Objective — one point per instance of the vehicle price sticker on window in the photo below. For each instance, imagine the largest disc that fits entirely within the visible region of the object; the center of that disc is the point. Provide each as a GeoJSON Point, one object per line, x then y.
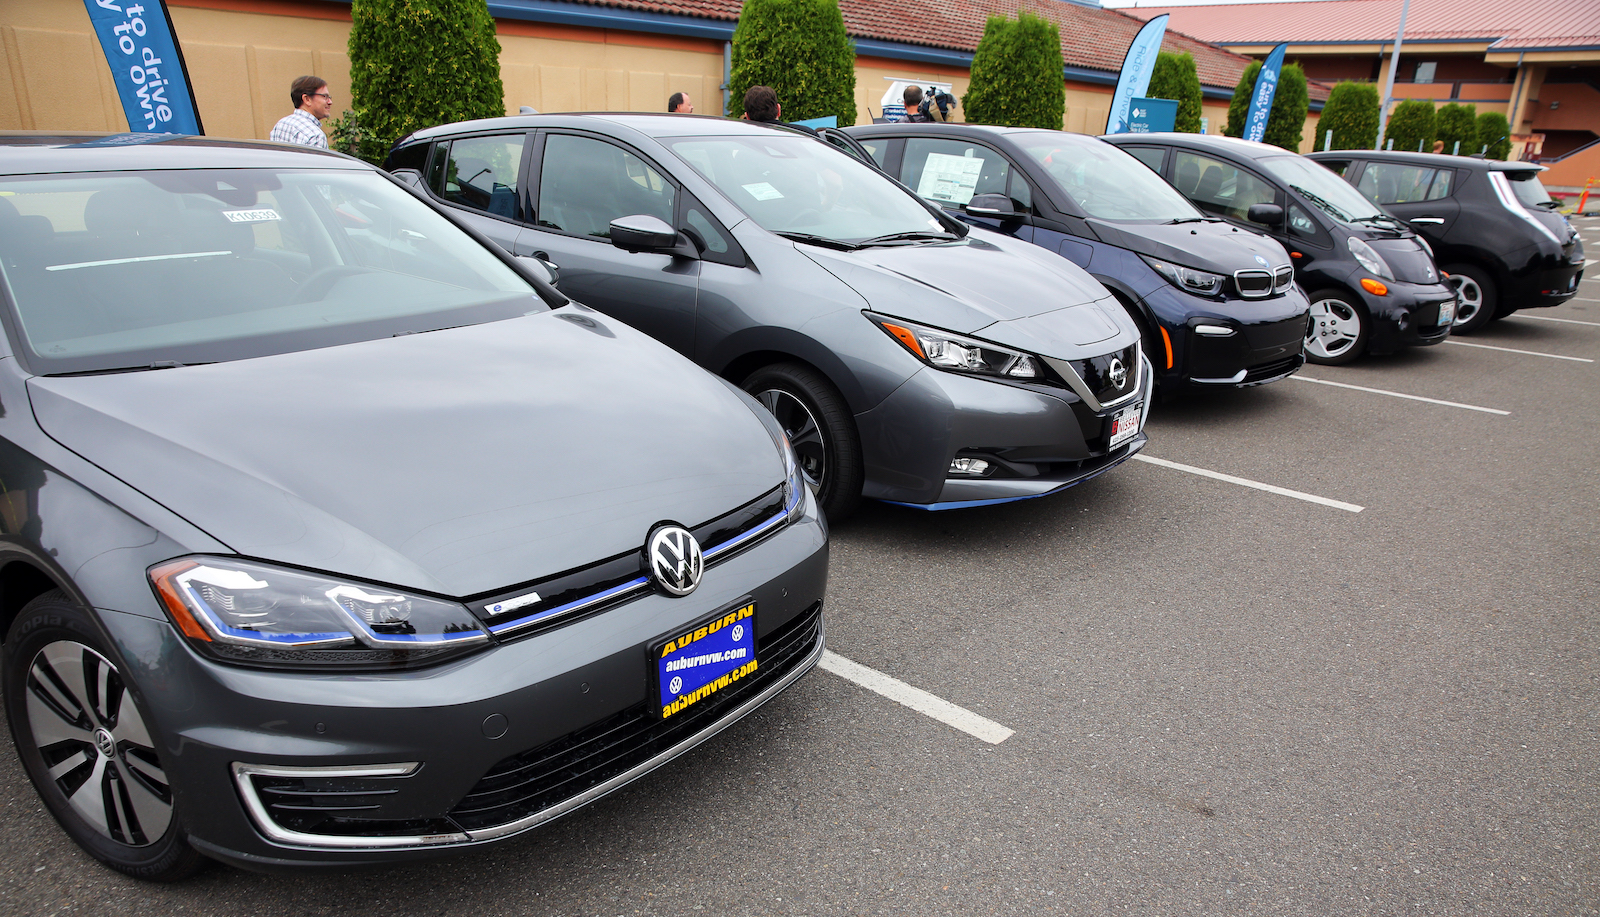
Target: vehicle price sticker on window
{"type": "Point", "coordinates": [949, 178]}
{"type": "Point", "coordinates": [259, 215]}
{"type": "Point", "coordinates": [710, 657]}
{"type": "Point", "coordinates": [762, 191]}
{"type": "Point", "coordinates": [1125, 425]}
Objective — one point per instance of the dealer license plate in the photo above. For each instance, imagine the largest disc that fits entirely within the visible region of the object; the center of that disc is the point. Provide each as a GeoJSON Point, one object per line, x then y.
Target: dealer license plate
{"type": "Point", "coordinates": [1447, 312]}
{"type": "Point", "coordinates": [1125, 425]}
{"type": "Point", "coordinates": [702, 660]}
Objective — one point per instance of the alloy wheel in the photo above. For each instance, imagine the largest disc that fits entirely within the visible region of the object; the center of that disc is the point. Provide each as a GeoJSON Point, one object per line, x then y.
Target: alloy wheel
{"type": "Point", "coordinates": [1469, 298]}
{"type": "Point", "coordinates": [1335, 328]}
{"type": "Point", "coordinates": [806, 436]}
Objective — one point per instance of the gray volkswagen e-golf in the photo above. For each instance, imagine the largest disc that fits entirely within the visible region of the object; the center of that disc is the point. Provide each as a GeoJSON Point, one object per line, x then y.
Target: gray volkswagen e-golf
{"type": "Point", "coordinates": [910, 358]}
{"type": "Point", "coordinates": [331, 534]}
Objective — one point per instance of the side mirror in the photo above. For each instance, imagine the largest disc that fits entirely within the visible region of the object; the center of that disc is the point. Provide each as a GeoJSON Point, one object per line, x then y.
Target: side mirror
{"type": "Point", "coordinates": [643, 233]}
{"type": "Point", "coordinates": [410, 177]}
{"type": "Point", "coordinates": [1265, 214]}
{"type": "Point", "coordinates": [994, 206]}
{"type": "Point", "coordinates": [540, 268]}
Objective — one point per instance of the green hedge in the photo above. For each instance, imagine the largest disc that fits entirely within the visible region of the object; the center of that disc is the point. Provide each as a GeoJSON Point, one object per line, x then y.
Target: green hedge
{"type": "Point", "coordinates": [1017, 75]}
{"type": "Point", "coordinates": [1457, 123]}
{"type": "Point", "coordinates": [1175, 78]}
{"type": "Point", "coordinates": [1291, 103]}
{"type": "Point", "coordinates": [1411, 127]}
{"type": "Point", "coordinates": [417, 63]}
{"type": "Point", "coordinates": [1494, 131]}
{"type": "Point", "coordinates": [1352, 114]}
{"type": "Point", "coordinates": [801, 49]}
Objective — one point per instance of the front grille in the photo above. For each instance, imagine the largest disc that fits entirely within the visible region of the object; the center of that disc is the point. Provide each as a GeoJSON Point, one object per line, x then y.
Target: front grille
{"type": "Point", "coordinates": [1266, 372]}
{"type": "Point", "coordinates": [1097, 374]}
{"type": "Point", "coordinates": [1283, 278]}
{"type": "Point", "coordinates": [535, 780]}
{"type": "Point", "coordinates": [1253, 284]}
{"type": "Point", "coordinates": [338, 806]}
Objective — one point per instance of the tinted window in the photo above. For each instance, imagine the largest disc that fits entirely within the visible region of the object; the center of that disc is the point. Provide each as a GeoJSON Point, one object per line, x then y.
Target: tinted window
{"type": "Point", "coordinates": [481, 173]}
{"type": "Point", "coordinates": [1300, 222]}
{"type": "Point", "coordinates": [950, 172]}
{"type": "Point", "coordinates": [1149, 155]}
{"type": "Point", "coordinates": [1324, 190]}
{"type": "Point", "coordinates": [1221, 187]}
{"type": "Point", "coordinates": [1529, 189]}
{"type": "Point", "coordinates": [878, 149]}
{"type": "Point", "coordinates": [1104, 180]}
{"type": "Point", "coordinates": [584, 184]}
{"type": "Point", "coordinates": [1337, 167]}
{"type": "Point", "coordinates": [1387, 183]}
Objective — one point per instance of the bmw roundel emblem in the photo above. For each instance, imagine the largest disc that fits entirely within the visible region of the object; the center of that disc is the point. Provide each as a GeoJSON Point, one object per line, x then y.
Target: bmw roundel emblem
{"type": "Point", "coordinates": [1261, 261]}
{"type": "Point", "coordinates": [675, 561]}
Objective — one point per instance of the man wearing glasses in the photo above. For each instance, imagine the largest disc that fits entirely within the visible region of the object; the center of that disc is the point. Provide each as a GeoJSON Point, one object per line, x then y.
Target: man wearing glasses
{"type": "Point", "coordinates": [312, 105]}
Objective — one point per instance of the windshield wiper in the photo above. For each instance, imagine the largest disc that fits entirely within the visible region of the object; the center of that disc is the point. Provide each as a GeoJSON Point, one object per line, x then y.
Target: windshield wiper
{"type": "Point", "coordinates": [823, 241]}
{"type": "Point", "coordinates": [1191, 220]}
{"type": "Point", "coordinates": [920, 235]}
{"type": "Point", "coordinates": [1380, 218]}
{"type": "Point", "coordinates": [1330, 209]}
{"type": "Point", "coordinates": [146, 367]}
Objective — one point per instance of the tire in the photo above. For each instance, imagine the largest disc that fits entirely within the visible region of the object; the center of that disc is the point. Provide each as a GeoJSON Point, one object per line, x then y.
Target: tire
{"type": "Point", "coordinates": [820, 428]}
{"type": "Point", "coordinates": [66, 699]}
{"type": "Point", "coordinates": [1337, 332]}
{"type": "Point", "coordinates": [1476, 297]}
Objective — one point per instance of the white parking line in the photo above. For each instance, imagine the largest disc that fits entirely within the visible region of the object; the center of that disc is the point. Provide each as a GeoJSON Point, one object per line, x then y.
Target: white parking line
{"type": "Point", "coordinates": [915, 698]}
{"type": "Point", "coordinates": [1246, 482]}
{"type": "Point", "coordinates": [1568, 321]}
{"type": "Point", "coordinates": [1379, 391]}
{"type": "Point", "coordinates": [1531, 353]}
{"type": "Point", "coordinates": [1582, 299]}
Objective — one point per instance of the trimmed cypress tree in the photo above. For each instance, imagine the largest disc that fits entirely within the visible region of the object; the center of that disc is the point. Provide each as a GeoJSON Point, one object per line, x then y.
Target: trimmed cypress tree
{"type": "Point", "coordinates": [801, 49]}
{"type": "Point", "coordinates": [1494, 131]}
{"type": "Point", "coordinates": [1352, 114]}
{"type": "Point", "coordinates": [1457, 123]}
{"type": "Point", "coordinates": [1017, 75]}
{"type": "Point", "coordinates": [1175, 77]}
{"type": "Point", "coordinates": [1291, 101]}
{"type": "Point", "coordinates": [1411, 126]}
{"type": "Point", "coordinates": [417, 63]}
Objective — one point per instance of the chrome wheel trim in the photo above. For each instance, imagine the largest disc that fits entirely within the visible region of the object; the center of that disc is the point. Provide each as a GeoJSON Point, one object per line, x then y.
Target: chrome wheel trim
{"type": "Point", "coordinates": [1335, 327]}
{"type": "Point", "coordinates": [806, 436]}
{"type": "Point", "coordinates": [1469, 298]}
{"type": "Point", "coordinates": [95, 745]}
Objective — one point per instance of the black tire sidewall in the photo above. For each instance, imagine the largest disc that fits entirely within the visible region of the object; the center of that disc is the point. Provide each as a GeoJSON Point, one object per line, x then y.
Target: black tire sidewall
{"type": "Point", "coordinates": [1362, 315]}
{"type": "Point", "coordinates": [1489, 309]}
{"type": "Point", "coordinates": [840, 494]}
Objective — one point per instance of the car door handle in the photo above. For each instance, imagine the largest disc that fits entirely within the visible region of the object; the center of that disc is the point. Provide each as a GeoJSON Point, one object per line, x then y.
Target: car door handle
{"type": "Point", "coordinates": [1428, 220]}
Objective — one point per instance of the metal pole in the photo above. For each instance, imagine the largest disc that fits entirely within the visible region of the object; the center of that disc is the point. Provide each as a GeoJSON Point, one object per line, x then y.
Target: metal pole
{"type": "Point", "coordinates": [1394, 64]}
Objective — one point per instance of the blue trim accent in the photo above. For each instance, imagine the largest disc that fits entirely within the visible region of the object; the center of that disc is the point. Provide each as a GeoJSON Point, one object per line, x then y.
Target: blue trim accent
{"type": "Point", "coordinates": [613, 592]}
{"type": "Point", "coordinates": [965, 504]}
{"type": "Point", "coordinates": [259, 638]}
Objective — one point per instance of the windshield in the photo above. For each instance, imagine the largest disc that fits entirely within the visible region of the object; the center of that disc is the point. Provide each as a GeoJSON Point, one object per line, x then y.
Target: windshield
{"type": "Point", "coordinates": [124, 269]}
{"type": "Point", "coordinates": [1105, 181]}
{"type": "Point", "coordinates": [795, 185]}
{"type": "Point", "coordinates": [1324, 190]}
{"type": "Point", "coordinates": [1530, 190]}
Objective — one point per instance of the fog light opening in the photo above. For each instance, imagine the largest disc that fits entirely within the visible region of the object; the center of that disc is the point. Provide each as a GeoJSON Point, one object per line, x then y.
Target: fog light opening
{"type": "Point", "coordinates": [969, 467]}
{"type": "Point", "coordinates": [1403, 319]}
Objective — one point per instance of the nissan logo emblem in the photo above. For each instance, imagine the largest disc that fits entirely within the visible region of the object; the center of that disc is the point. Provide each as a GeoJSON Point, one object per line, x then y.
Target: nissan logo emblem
{"type": "Point", "coordinates": [675, 560]}
{"type": "Point", "coordinates": [1117, 373]}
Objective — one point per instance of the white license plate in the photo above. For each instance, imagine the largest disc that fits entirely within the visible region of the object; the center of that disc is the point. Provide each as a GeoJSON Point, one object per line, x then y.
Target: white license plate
{"type": "Point", "coordinates": [1447, 312]}
{"type": "Point", "coordinates": [1125, 425]}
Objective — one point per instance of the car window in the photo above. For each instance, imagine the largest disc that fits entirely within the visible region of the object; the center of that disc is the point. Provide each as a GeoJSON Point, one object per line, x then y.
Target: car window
{"type": "Point", "coordinates": [1388, 183]}
{"type": "Point", "coordinates": [951, 172]}
{"type": "Point", "coordinates": [698, 220]}
{"type": "Point", "coordinates": [1105, 181]}
{"type": "Point", "coordinates": [1219, 187]}
{"type": "Point", "coordinates": [1336, 166]}
{"type": "Point", "coordinates": [1529, 189]}
{"type": "Point", "coordinates": [1441, 185]}
{"type": "Point", "coordinates": [1300, 222]}
{"type": "Point", "coordinates": [1323, 189]}
{"type": "Point", "coordinates": [878, 148]}
{"type": "Point", "coordinates": [585, 183]}
{"type": "Point", "coordinates": [481, 173]}
{"type": "Point", "coordinates": [1154, 157]}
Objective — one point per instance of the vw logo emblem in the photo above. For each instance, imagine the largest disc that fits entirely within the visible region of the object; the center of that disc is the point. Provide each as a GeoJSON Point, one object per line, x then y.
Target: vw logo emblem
{"type": "Point", "coordinates": [674, 559]}
{"type": "Point", "coordinates": [676, 685]}
{"type": "Point", "coordinates": [105, 744]}
{"type": "Point", "coordinates": [1261, 261]}
{"type": "Point", "coordinates": [1117, 373]}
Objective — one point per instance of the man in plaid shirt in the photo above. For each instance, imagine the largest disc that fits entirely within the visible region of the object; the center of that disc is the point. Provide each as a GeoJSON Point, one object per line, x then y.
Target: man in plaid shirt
{"type": "Point", "coordinates": [312, 105]}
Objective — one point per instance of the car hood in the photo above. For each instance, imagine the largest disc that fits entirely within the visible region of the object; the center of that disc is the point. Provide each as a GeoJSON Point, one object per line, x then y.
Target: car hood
{"type": "Point", "coordinates": [1214, 246]}
{"type": "Point", "coordinates": [1406, 258]}
{"type": "Point", "coordinates": [970, 284]}
{"type": "Point", "coordinates": [457, 462]}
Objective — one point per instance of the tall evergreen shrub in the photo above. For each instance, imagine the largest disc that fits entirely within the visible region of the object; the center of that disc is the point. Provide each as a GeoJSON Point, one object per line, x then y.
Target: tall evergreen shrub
{"type": "Point", "coordinates": [1352, 114]}
{"type": "Point", "coordinates": [801, 49]}
{"type": "Point", "coordinates": [1411, 127]}
{"type": "Point", "coordinates": [1495, 131]}
{"type": "Point", "coordinates": [1017, 75]}
{"type": "Point", "coordinates": [417, 63]}
{"type": "Point", "coordinates": [1456, 122]}
{"type": "Point", "coordinates": [1175, 77]}
{"type": "Point", "coordinates": [1291, 102]}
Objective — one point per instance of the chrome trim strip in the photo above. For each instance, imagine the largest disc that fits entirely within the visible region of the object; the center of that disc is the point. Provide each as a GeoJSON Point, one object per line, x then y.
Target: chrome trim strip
{"type": "Point", "coordinates": [1231, 380]}
{"type": "Point", "coordinates": [1272, 282]}
{"type": "Point", "coordinates": [614, 592]}
{"type": "Point", "coordinates": [759, 530]}
{"type": "Point", "coordinates": [1064, 369]}
{"type": "Point", "coordinates": [279, 834]}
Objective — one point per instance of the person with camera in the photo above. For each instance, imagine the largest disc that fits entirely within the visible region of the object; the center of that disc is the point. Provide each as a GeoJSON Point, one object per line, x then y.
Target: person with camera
{"type": "Point", "coordinates": [916, 108]}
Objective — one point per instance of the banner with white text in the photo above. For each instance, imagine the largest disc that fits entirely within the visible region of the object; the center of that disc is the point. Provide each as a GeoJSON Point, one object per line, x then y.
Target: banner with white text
{"type": "Point", "coordinates": [146, 65]}
{"type": "Point", "coordinates": [1255, 122]}
{"type": "Point", "coordinates": [1137, 65]}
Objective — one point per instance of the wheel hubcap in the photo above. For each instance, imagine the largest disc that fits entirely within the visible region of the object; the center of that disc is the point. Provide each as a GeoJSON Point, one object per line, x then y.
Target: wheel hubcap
{"type": "Point", "coordinates": [805, 434]}
{"type": "Point", "coordinates": [95, 745]}
{"type": "Point", "coordinates": [1335, 326]}
{"type": "Point", "coordinates": [1469, 298]}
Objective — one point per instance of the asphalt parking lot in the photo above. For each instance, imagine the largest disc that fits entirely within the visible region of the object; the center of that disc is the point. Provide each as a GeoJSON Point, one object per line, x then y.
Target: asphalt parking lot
{"type": "Point", "coordinates": [1190, 695]}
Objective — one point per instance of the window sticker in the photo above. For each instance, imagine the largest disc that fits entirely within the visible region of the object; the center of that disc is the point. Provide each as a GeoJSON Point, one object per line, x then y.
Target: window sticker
{"type": "Point", "coordinates": [763, 191]}
{"type": "Point", "coordinates": [949, 178]}
{"type": "Point", "coordinates": [259, 215]}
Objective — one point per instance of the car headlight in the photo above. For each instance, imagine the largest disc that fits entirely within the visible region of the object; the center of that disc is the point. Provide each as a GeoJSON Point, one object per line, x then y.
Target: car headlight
{"type": "Point", "coordinates": [1187, 278]}
{"type": "Point", "coordinates": [1370, 259]}
{"type": "Point", "coordinates": [794, 483]}
{"type": "Point", "coordinates": [243, 611]}
{"type": "Point", "coordinates": [946, 350]}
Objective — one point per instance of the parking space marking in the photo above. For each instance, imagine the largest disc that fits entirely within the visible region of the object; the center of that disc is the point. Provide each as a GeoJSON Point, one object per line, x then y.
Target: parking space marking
{"type": "Point", "coordinates": [1379, 391]}
{"type": "Point", "coordinates": [917, 699]}
{"type": "Point", "coordinates": [1246, 482]}
{"type": "Point", "coordinates": [1568, 321]}
{"type": "Point", "coordinates": [1531, 353]}
{"type": "Point", "coordinates": [1582, 299]}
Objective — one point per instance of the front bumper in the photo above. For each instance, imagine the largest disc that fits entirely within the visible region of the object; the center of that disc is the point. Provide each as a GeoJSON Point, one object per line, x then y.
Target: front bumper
{"type": "Point", "coordinates": [419, 763]}
{"type": "Point", "coordinates": [1265, 343]}
{"type": "Point", "coordinates": [1407, 317]}
{"type": "Point", "coordinates": [1038, 439]}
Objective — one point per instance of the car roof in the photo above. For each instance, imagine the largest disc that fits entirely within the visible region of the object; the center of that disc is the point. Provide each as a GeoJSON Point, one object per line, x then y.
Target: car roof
{"type": "Point", "coordinates": [650, 124]}
{"type": "Point", "coordinates": [1244, 149]}
{"type": "Point", "coordinates": [37, 152]}
{"type": "Point", "coordinates": [862, 129]}
{"type": "Point", "coordinates": [1434, 160]}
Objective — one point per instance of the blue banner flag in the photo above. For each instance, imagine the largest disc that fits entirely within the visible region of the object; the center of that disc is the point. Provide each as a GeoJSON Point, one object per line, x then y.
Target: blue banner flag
{"type": "Point", "coordinates": [146, 65]}
{"type": "Point", "coordinates": [1137, 65]}
{"type": "Point", "coordinates": [1255, 122]}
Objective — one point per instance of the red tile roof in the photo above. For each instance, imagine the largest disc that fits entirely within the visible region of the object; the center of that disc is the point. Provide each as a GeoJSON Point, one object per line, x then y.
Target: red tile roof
{"type": "Point", "coordinates": [1509, 26]}
{"type": "Point", "coordinates": [1092, 38]}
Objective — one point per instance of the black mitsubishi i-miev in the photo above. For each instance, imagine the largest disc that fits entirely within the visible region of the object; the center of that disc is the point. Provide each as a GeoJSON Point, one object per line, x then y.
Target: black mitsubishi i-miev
{"type": "Point", "coordinates": [331, 534]}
